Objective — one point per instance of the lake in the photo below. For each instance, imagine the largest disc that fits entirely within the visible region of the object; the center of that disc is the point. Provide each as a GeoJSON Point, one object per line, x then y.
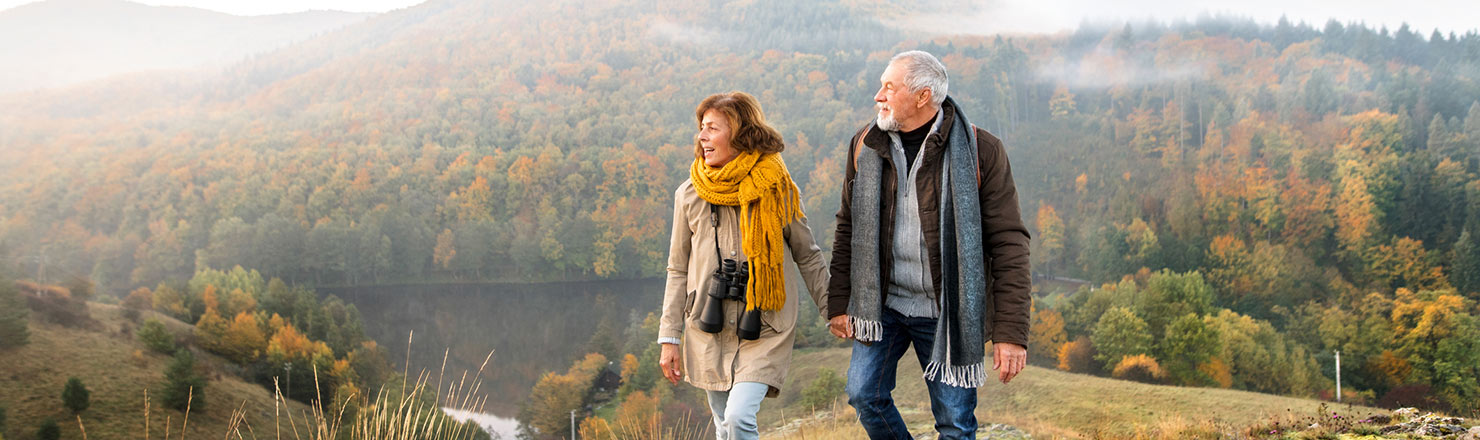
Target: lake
{"type": "Point", "coordinates": [531, 329]}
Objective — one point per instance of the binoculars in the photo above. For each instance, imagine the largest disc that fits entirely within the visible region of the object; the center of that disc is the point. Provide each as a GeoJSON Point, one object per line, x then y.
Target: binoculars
{"type": "Point", "coordinates": [729, 283]}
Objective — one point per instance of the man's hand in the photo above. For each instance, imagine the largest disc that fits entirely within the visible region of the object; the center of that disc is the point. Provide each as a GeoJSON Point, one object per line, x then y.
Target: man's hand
{"type": "Point", "coordinates": [1008, 359]}
{"type": "Point", "coordinates": [840, 326]}
{"type": "Point", "coordinates": [671, 363]}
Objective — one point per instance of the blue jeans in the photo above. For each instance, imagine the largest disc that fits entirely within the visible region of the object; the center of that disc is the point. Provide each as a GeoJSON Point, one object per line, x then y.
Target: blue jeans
{"type": "Point", "coordinates": [871, 382]}
{"type": "Point", "coordinates": [734, 410]}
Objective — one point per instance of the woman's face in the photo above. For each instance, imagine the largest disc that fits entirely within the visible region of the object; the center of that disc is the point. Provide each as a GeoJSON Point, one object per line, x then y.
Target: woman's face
{"type": "Point", "coordinates": [714, 138]}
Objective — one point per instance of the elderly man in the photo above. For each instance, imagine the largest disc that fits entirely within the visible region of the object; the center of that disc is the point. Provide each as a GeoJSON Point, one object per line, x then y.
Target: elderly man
{"type": "Point", "coordinates": [930, 251]}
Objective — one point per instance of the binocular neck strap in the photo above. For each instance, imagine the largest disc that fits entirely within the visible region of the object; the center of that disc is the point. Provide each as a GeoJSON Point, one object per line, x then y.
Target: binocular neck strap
{"type": "Point", "coordinates": [714, 222]}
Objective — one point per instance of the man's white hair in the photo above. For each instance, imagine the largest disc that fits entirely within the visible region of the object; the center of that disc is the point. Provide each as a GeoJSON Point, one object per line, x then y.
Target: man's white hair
{"type": "Point", "coordinates": [921, 71]}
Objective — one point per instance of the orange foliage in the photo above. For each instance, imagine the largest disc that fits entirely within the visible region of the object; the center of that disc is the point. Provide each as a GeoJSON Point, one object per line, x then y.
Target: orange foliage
{"type": "Point", "coordinates": [1219, 371]}
{"type": "Point", "coordinates": [1139, 368]}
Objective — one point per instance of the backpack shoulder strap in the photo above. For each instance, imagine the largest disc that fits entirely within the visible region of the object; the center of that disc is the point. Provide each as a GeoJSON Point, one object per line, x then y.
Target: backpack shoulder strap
{"type": "Point", "coordinates": [978, 160]}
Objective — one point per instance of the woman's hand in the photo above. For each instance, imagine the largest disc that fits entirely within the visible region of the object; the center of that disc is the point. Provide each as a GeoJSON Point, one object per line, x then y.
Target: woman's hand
{"type": "Point", "coordinates": [670, 363]}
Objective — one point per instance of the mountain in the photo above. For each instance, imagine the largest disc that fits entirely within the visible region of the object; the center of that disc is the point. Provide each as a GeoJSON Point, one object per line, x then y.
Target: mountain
{"type": "Point", "coordinates": [55, 43]}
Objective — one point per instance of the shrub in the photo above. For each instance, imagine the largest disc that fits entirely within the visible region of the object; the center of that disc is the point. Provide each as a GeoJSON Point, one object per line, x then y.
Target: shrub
{"type": "Point", "coordinates": [54, 304]}
{"type": "Point", "coordinates": [1078, 356]}
{"type": "Point", "coordinates": [1410, 395]}
{"type": "Point", "coordinates": [49, 430]}
{"type": "Point", "coordinates": [75, 395]}
{"type": "Point", "coordinates": [823, 391]}
{"type": "Point", "coordinates": [1139, 368]}
{"type": "Point", "coordinates": [156, 337]}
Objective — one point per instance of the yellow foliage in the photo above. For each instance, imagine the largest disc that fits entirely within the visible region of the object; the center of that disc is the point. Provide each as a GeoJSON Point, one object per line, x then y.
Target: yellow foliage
{"type": "Point", "coordinates": [210, 331]}
{"type": "Point", "coordinates": [1046, 334]}
{"type": "Point", "coordinates": [244, 341]}
{"type": "Point", "coordinates": [629, 366]}
{"type": "Point", "coordinates": [288, 344]}
{"type": "Point", "coordinates": [637, 417]}
{"type": "Point", "coordinates": [209, 298]}
{"type": "Point", "coordinates": [1140, 368]}
{"type": "Point", "coordinates": [596, 428]}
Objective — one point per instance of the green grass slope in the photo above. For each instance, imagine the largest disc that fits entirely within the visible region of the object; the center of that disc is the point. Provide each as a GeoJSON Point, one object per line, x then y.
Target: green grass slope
{"type": "Point", "coordinates": [117, 369]}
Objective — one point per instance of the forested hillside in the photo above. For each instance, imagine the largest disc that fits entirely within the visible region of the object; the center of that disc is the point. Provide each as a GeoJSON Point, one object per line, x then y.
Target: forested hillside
{"type": "Point", "coordinates": [1304, 189]}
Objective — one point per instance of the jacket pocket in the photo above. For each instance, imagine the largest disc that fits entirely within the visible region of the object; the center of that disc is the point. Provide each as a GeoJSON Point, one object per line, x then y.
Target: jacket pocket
{"type": "Point", "coordinates": [688, 308]}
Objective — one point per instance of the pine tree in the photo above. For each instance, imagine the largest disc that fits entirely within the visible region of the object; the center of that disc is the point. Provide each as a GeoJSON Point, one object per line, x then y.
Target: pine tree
{"type": "Point", "coordinates": [76, 396]}
{"type": "Point", "coordinates": [182, 387]}
{"type": "Point", "coordinates": [1466, 272]}
{"type": "Point", "coordinates": [13, 316]}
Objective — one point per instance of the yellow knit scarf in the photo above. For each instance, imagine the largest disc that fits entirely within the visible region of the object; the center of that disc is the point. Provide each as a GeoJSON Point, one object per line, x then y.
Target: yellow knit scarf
{"type": "Point", "coordinates": [761, 186]}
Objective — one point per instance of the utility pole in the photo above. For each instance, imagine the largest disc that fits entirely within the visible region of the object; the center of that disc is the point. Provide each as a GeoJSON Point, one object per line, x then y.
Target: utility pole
{"type": "Point", "coordinates": [572, 424]}
{"type": "Point", "coordinates": [289, 366]}
{"type": "Point", "coordinates": [1338, 376]}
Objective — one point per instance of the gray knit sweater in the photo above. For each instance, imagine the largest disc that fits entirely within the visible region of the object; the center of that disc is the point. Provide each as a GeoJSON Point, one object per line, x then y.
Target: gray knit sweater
{"type": "Point", "coordinates": [909, 288]}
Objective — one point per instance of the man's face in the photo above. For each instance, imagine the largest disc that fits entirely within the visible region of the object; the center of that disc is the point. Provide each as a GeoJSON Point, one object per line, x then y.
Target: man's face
{"type": "Point", "coordinates": [894, 101]}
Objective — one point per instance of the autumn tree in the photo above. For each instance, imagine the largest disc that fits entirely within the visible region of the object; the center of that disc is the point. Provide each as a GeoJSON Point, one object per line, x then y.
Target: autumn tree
{"type": "Point", "coordinates": [1050, 238]}
{"type": "Point", "coordinates": [210, 331]}
{"type": "Point", "coordinates": [1046, 334]}
{"type": "Point", "coordinates": [555, 395]}
{"type": "Point", "coordinates": [1188, 344]}
{"type": "Point", "coordinates": [1118, 334]}
{"type": "Point", "coordinates": [243, 340]}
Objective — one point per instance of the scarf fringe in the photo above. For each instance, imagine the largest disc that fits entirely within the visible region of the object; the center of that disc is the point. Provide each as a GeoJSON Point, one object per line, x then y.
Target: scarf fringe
{"type": "Point", "coordinates": [961, 376]}
{"type": "Point", "coordinates": [867, 330]}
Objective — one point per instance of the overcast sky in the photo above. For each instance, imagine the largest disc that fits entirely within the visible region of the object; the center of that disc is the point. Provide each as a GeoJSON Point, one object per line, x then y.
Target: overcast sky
{"type": "Point", "coordinates": [1018, 16]}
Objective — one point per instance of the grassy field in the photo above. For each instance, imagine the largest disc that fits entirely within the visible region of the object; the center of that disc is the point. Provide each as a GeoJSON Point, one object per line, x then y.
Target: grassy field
{"type": "Point", "coordinates": [1046, 403]}
{"type": "Point", "coordinates": [117, 369]}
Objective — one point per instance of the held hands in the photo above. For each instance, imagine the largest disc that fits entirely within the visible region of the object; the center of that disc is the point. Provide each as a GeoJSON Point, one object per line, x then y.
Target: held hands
{"type": "Point", "coordinates": [671, 363]}
{"type": "Point", "coordinates": [1008, 359]}
{"type": "Point", "coordinates": [840, 326]}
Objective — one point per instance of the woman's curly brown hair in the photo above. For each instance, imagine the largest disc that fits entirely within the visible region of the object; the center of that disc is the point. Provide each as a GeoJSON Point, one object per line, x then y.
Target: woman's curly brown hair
{"type": "Point", "coordinates": [748, 126]}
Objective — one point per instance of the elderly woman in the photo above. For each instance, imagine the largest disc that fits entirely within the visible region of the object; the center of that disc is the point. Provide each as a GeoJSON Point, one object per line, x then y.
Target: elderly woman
{"type": "Point", "coordinates": [730, 307]}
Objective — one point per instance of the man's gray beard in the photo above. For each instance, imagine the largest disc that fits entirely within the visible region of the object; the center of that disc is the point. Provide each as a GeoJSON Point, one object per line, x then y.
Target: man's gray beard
{"type": "Point", "coordinates": [887, 123]}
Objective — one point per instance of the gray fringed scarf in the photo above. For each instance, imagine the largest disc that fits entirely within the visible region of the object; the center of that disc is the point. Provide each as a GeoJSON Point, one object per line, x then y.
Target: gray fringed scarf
{"type": "Point", "coordinates": [957, 358]}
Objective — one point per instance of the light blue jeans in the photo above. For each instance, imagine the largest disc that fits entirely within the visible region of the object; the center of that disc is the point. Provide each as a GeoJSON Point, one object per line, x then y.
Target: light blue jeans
{"type": "Point", "coordinates": [734, 410]}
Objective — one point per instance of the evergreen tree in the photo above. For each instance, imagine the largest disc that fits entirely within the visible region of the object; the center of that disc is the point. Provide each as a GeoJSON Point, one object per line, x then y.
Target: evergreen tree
{"type": "Point", "coordinates": [1466, 272]}
{"type": "Point", "coordinates": [76, 396]}
{"type": "Point", "coordinates": [182, 386]}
